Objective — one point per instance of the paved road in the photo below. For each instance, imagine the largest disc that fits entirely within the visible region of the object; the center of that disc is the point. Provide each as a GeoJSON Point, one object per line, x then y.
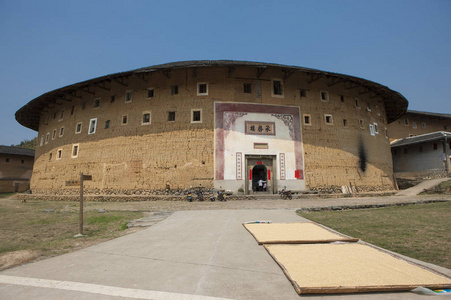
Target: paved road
{"type": "Point", "coordinates": [190, 255]}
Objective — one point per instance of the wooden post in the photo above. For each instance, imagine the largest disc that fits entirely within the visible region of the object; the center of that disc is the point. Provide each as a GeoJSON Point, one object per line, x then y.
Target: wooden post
{"type": "Point", "coordinates": [81, 204]}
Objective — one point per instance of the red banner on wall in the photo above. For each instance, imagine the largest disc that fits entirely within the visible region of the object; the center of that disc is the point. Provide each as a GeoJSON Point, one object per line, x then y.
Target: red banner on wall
{"type": "Point", "coordinates": [269, 174]}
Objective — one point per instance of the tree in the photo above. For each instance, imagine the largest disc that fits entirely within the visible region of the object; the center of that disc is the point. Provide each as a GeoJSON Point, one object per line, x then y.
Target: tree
{"type": "Point", "coordinates": [28, 144]}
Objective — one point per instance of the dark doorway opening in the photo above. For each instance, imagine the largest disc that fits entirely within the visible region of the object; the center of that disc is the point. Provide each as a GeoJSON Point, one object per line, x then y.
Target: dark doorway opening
{"type": "Point", "coordinates": [259, 178]}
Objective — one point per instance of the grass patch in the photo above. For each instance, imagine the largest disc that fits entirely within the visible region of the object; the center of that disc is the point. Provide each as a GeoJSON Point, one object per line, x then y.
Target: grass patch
{"type": "Point", "coordinates": [443, 188]}
{"type": "Point", "coordinates": [5, 195]}
{"type": "Point", "coordinates": [420, 231]}
{"type": "Point", "coordinates": [47, 228]}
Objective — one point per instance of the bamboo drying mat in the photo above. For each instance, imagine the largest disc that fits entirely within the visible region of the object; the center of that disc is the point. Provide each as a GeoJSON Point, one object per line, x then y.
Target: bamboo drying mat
{"type": "Point", "coordinates": [294, 233]}
{"type": "Point", "coordinates": [350, 268]}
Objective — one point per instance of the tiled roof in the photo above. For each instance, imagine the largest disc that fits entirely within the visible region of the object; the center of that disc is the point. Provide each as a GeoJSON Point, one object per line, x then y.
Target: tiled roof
{"type": "Point", "coordinates": [434, 136]}
{"type": "Point", "coordinates": [429, 114]}
{"type": "Point", "coordinates": [16, 151]}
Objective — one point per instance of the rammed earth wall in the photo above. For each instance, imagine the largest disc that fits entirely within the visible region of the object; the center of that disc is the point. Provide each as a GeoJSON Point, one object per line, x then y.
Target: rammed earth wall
{"type": "Point", "coordinates": [343, 142]}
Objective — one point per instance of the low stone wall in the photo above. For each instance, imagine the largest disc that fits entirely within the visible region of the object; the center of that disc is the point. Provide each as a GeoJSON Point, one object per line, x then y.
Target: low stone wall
{"type": "Point", "coordinates": [119, 198]}
{"type": "Point", "coordinates": [430, 174]}
{"type": "Point", "coordinates": [366, 206]}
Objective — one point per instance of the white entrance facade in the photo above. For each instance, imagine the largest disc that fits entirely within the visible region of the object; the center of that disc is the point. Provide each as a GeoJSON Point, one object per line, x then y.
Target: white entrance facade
{"type": "Point", "coordinates": [256, 142]}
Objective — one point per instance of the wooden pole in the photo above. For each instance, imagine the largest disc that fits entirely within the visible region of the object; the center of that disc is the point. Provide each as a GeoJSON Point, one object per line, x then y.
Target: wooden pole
{"type": "Point", "coordinates": [81, 204]}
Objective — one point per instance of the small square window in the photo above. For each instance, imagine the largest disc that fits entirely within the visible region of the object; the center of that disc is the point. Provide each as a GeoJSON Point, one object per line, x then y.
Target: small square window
{"type": "Point", "coordinates": [202, 89]}
{"type": "Point", "coordinates": [72, 110]}
{"type": "Point", "coordinates": [47, 137]}
{"type": "Point", "coordinates": [7, 160]}
{"type": "Point", "coordinates": [97, 103]}
{"type": "Point", "coordinates": [42, 141]}
{"type": "Point", "coordinates": [128, 96]}
{"type": "Point", "coordinates": [107, 124]}
{"type": "Point", "coordinates": [357, 102]}
{"type": "Point", "coordinates": [61, 131]}
{"type": "Point", "coordinates": [376, 128]}
{"type": "Point", "coordinates": [174, 90]}
{"type": "Point", "coordinates": [54, 134]}
{"type": "Point", "coordinates": [78, 128]}
{"type": "Point", "coordinates": [146, 118]}
{"type": "Point", "coordinates": [324, 95]}
{"type": "Point", "coordinates": [362, 125]}
{"type": "Point", "coordinates": [247, 88]}
{"type": "Point", "coordinates": [171, 116]}
{"type": "Point", "coordinates": [368, 106]}
{"type": "Point", "coordinates": [406, 122]}
{"type": "Point", "coordinates": [50, 156]}
{"type": "Point", "coordinates": [423, 125]}
{"type": "Point", "coordinates": [61, 115]}
{"type": "Point", "coordinates": [414, 125]}
{"type": "Point", "coordinates": [23, 161]}
{"type": "Point", "coordinates": [345, 123]}
{"type": "Point", "coordinates": [59, 154]}
{"type": "Point", "coordinates": [150, 92]}
{"type": "Point", "coordinates": [196, 116]}
{"type": "Point", "coordinates": [112, 99]}
{"type": "Point", "coordinates": [378, 111]}
{"type": "Point", "coordinates": [75, 150]}
{"type": "Point", "coordinates": [46, 120]}
{"type": "Point", "coordinates": [329, 119]}
{"type": "Point", "coordinates": [372, 130]}
{"type": "Point", "coordinates": [124, 119]}
{"type": "Point", "coordinates": [92, 126]}
{"type": "Point", "coordinates": [342, 98]}
{"type": "Point", "coordinates": [307, 120]}
{"type": "Point", "coordinates": [54, 116]}
{"type": "Point", "coordinates": [303, 93]}
{"type": "Point", "coordinates": [277, 88]}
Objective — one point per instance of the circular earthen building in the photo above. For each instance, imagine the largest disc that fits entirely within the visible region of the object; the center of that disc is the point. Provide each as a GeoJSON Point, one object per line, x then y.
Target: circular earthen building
{"type": "Point", "coordinates": [243, 126]}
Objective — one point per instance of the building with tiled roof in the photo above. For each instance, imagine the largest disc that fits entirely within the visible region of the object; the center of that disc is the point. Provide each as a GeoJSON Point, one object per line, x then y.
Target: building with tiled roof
{"type": "Point", "coordinates": [16, 165]}
{"type": "Point", "coordinates": [216, 124]}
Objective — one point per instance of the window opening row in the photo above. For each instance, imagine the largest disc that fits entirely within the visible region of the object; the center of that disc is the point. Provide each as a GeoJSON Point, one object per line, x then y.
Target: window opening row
{"type": "Point", "coordinates": [196, 117]}
{"type": "Point", "coordinates": [7, 159]}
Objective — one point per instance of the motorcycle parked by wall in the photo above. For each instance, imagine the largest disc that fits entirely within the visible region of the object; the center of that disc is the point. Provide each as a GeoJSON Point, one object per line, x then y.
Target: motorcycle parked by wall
{"type": "Point", "coordinates": [221, 195]}
{"type": "Point", "coordinates": [189, 196]}
{"type": "Point", "coordinates": [200, 196]}
{"type": "Point", "coordinates": [212, 196]}
{"type": "Point", "coordinates": [285, 194]}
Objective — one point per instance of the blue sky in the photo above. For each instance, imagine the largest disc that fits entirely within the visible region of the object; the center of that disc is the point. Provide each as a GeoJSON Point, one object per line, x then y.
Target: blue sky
{"type": "Point", "coordinates": [45, 45]}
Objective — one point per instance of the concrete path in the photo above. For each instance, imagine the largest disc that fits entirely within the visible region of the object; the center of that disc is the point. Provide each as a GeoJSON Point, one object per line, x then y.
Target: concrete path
{"type": "Point", "coordinates": [189, 255]}
{"type": "Point", "coordinates": [421, 187]}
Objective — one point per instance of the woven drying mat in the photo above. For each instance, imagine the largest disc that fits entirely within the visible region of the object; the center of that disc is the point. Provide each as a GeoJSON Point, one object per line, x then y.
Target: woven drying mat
{"type": "Point", "coordinates": [294, 233]}
{"type": "Point", "coordinates": [350, 268]}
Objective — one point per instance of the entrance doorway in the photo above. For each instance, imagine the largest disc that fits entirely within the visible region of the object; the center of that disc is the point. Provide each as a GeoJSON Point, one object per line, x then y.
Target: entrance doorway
{"type": "Point", "coordinates": [259, 178]}
{"type": "Point", "coordinates": [261, 170]}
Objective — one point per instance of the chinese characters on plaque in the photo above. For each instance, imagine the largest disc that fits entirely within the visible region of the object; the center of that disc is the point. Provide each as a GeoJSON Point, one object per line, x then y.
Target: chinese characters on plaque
{"type": "Point", "coordinates": [238, 165]}
{"type": "Point", "coordinates": [282, 166]}
{"type": "Point", "coordinates": [260, 128]}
